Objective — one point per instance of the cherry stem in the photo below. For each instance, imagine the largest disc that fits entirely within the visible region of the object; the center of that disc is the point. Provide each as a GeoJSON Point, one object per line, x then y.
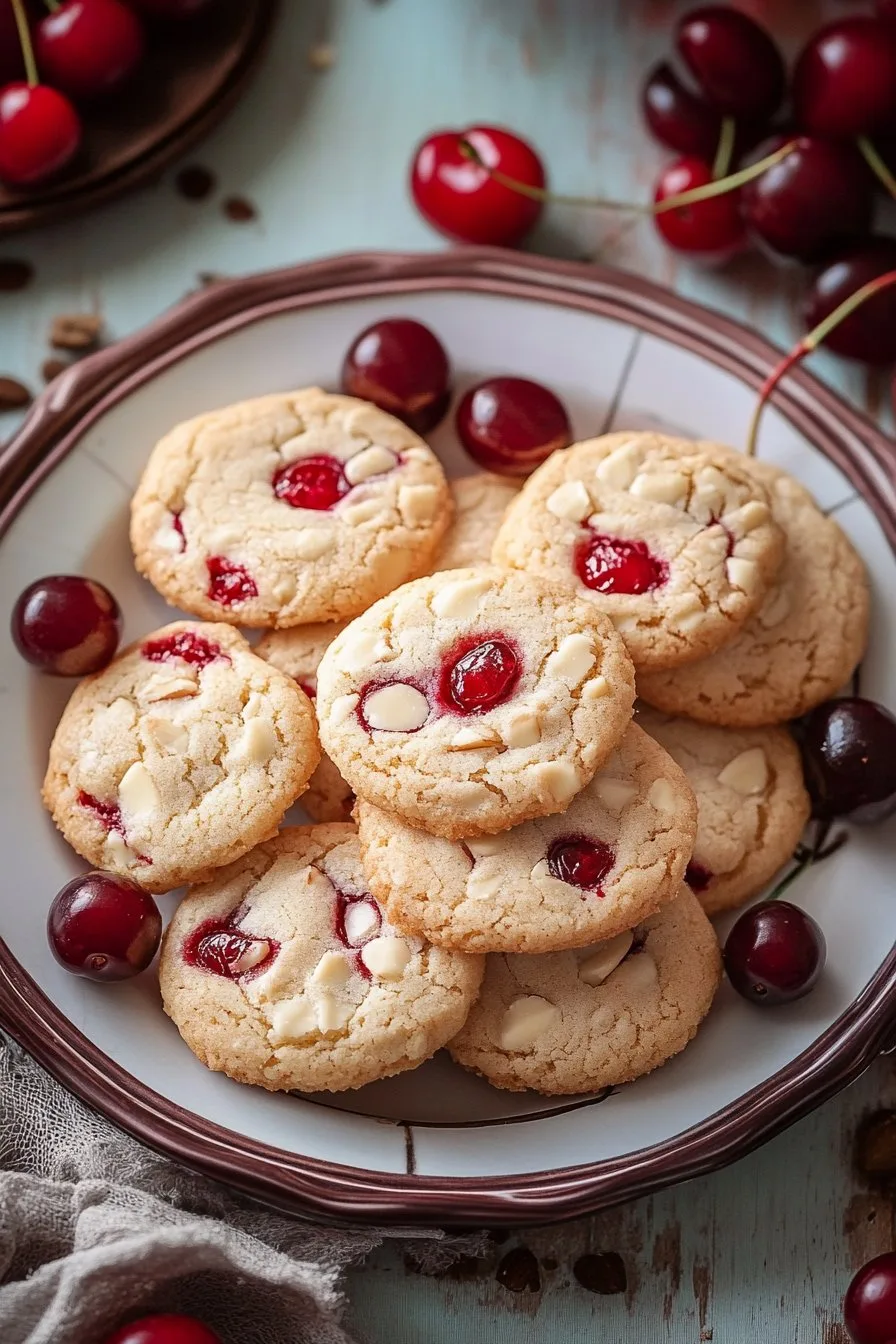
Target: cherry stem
{"type": "Point", "coordinates": [722, 161]}
{"type": "Point", "coordinates": [877, 165]}
{"type": "Point", "coordinates": [810, 343]}
{"type": "Point", "coordinates": [799, 867]}
{"type": "Point", "coordinates": [21, 19]}
{"type": "Point", "coordinates": [53, 5]}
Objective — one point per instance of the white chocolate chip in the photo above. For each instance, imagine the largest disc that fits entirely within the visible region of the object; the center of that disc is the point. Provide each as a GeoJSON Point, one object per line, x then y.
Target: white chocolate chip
{"type": "Point", "coordinates": [596, 688]}
{"type": "Point", "coordinates": [483, 886]}
{"type": "Point", "coordinates": [386, 958]}
{"type": "Point", "coordinates": [363, 511]}
{"type": "Point", "coordinates": [137, 792]}
{"type": "Point", "coordinates": [117, 850]}
{"type": "Point", "coordinates": [689, 620]}
{"type": "Point", "coordinates": [167, 538]}
{"type": "Point", "coordinates": [602, 962]}
{"type": "Point", "coordinates": [331, 1014]}
{"type": "Point", "coordinates": [742, 574]}
{"type": "Point", "coordinates": [661, 795]}
{"type": "Point", "coordinates": [570, 500]}
{"type": "Point", "coordinates": [223, 538]}
{"type": "Point", "coordinates": [749, 516]}
{"type": "Point", "coordinates": [290, 1019]}
{"type": "Point", "coordinates": [460, 599]}
{"type": "Point", "coordinates": [310, 543]}
{"type": "Point", "coordinates": [615, 794]}
{"type": "Point", "coordinates": [418, 503]}
{"type": "Point", "coordinates": [660, 487]}
{"type": "Point", "coordinates": [747, 773]}
{"type": "Point", "coordinates": [637, 974]}
{"type": "Point", "coordinates": [360, 921]}
{"type": "Point", "coordinates": [523, 729]}
{"type": "Point", "coordinates": [471, 739]}
{"type": "Point", "coordinates": [558, 778]}
{"type": "Point", "coordinates": [417, 454]}
{"type": "Point", "coordinates": [618, 469]}
{"type": "Point", "coordinates": [161, 687]}
{"type": "Point", "coordinates": [332, 969]}
{"type": "Point", "coordinates": [398, 708]}
{"type": "Point", "coordinates": [572, 660]}
{"type": "Point", "coordinates": [167, 735]}
{"type": "Point", "coordinates": [525, 1021]}
{"type": "Point", "coordinates": [359, 649]}
{"type": "Point", "coordinates": [342, 708]}
{"type": "Point", "coordinates": [373, 461]}
{"type": "Point", "coordinates": [484, 846]}
{"type": "Point", "coordinates": [468, 796]}
{"type": "Point", "coordinates": [258, 742]}
{"type": "Point", "coordinates": [623, 622]}
{"type": "Point", "coordinates": [774, 609]}
{"type": "Point", "coordinates": [283, 589]}
{"type": "Point", "coordinates": [258, 951]}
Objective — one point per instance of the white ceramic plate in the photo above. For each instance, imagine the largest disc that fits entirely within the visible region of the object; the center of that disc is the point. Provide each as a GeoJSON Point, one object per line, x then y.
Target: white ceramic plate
{"type": "Point", "coordinates": [436, 1145]}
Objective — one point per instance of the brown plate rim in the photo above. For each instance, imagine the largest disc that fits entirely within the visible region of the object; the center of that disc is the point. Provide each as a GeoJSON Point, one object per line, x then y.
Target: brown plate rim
{"type": "Point", "coordinates": [324, 1190]}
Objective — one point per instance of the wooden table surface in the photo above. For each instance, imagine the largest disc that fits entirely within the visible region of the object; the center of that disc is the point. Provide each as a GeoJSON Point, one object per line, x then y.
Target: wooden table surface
{"type": "Point", "coordinates": [762, 1251]}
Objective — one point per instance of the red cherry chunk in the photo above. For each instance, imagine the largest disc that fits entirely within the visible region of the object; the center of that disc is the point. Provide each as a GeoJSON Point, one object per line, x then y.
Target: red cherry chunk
{"type": "Point", "coordinates": [311, 483]}
{"type": "Point", "coordinates": [221, 948]}
{"type": "Point", "coordinates": [107, 814]}
{"type": "Point", "coordinates": [844, 81]}
{"type": "Point", "coordinates": [39, 133]}
{"type": "Point", "coordinates": [400, 366]}
{"type": "Point", "coordinates": [229, 583]}
{"type": "Point", "coordinates": [581, 862]}
{"type": "Point", "coordinates": [697, 876]}
{"type": "Point", "coordinates": [869, 1309]}
{"type": "Point", "coordinates": [66, 625]}
{"type": "Point", "coordinates": [88, 48]}
{"type": "Point", "coordinates": [177, 523]}
{"type": "Point", "coordinates": [186, 646]}
{"type": "Point", "coordinates": [774, 953]}
{"type": "Point", "coordinates": [164, 1330]}
{"type": "Point", "coordinates": [104, 927]}
{"type": "Point", "coordinates": [736, 63]}
{"type": "Point", "coordinates": [512, 425]}
{"type": "Point", "coordinates": [479, 674]}
{"type": "Point", "coordinates": [457, 194]}
{"type": "Point", "coordinates": [711, 229]}
{"type": "Point", "coordinates": [612, 565]}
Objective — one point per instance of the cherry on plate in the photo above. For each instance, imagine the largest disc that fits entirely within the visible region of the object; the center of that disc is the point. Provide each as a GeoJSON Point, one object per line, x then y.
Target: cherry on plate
{"type": "Point", "coordinates": [677, 117]}
{"type": "Point", "coordinates": [104, 927]}
{"type": "Point", "coordinates": [735, 61]}
{"type": "Point", "coordinates": [401, 366]}
{"type": "Point", "coordinates": [713, 229]}
{"type": "Point", "coordinates": [88, 48]}
{"type": "Point", "coordinates": [164, 1330]}
{"type": "Point", "coordinates": [40, 133]}
{"type": "Point", "coordinates": [849, 759]}
{"type": "Point", "coordinates": [869, 1309]}
{"type": "Point", "coordinates": [869, 333]}
{"type": "Point", "coordinates": [811, 203]}
{"type": "Point", "coordinates": [774, 953]}
{"type": "Point", "coordinates": [458, 195]}
{"type": "Point", "coordinates": [512, 425]}
{"type": "Point", "coordinates": [844, 81]}
{"type": "Point", "coordinates": [66, 625]}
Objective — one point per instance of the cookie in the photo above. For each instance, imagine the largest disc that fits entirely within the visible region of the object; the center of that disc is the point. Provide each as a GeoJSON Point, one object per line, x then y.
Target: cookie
{"type": "Point", "coordinates": [283, 972]}
{"type": "Point", "coordinates": [803, 644]}
{"type": "Point", "coordinates": [752, 803]}
{"type": "Point", "coordinates": [614, 857]}
{"type": "Point", "coordinates": [480, 503]}
{"type": "Point", "coordinates": [179, 756]}
{"type": "Point", "coordinates": [297, 652]}
{"type": "Point", "coordinates": [672, 539]}
{"type": "Point", "coordinates": [474, 699]}
{"type": "Point", "coordinates": [288, 509]}
{"type": "Point", "coordinates": [571, 1022]}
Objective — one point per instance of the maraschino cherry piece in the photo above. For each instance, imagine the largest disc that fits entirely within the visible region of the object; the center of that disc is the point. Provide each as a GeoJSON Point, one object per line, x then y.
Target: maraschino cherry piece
{"type": "Point", "coordinates": [220, 947]}
{"type": "Point", "coordinates": [186, 646]}
{"type": "Point", "coordinates": [478, 674]}
{"type": "Point", "coordinates": [581, 862]}
{"type": "Point", "coordinates": [614, 565]}
{"type": "Point", "coordinates": [311, 483]}
{"type": "Point", "coordinates": [697, 876]}
{"type": "Point", "coordinates": [229, 582]}
{"type": "Point", "coordinates": [454, 188]}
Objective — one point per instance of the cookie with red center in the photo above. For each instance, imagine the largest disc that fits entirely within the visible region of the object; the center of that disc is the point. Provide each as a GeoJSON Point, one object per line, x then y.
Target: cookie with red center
{"type": "Point", "coordinates": [179, 756]}
{"type": "Point", "coordinates": [752, 803]}
{"type": "Point", "coordinates": [474, 699]}
{"type": "Point", "coordinates": [673, 540]}
{"type": "Point", "coordinates": [299, 507]}
{"type": "Point", "coordinates": [571, 1022]}
{"type": "Point", "coordinates": [284, 972]}
{"type": "Point", "coordinates": [480, 503]}
{"type": "Point", "coordinates": [615, 856]}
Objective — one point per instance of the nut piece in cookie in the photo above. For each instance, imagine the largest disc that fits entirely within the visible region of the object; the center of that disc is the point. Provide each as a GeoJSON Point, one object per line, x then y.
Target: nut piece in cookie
{"type": "Point", "coordinates": [572, 1022]}
{"type": "Point", "coordinates": [674, 540]}
{"type": "Point", "coordinates": [284, 972]}
{"type": "Point", "coordinates": [179, 756]}
{"type": "Point", "coordinates": [615, 856]}
{"type": "Point", "coordinates": [474, 699]}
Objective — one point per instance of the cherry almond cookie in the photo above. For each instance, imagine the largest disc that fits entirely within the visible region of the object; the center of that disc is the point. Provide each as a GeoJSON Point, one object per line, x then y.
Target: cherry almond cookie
{"type": "Point", "coordinates": [179, 756]}
{"type": "Point", "coordinates": [672, 539]}
{"type": "Point", "coordinates": [474, 699]}
{"type": "Point", "coordinates": [299, 507]}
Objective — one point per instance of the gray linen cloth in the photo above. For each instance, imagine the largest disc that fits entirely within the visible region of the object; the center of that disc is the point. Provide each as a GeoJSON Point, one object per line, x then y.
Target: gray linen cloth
{"type": "Point", "coordinates": [95, 1229]}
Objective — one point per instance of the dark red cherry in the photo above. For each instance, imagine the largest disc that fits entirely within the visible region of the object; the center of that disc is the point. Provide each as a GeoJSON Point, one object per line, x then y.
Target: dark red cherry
{"type": "Point", "coordinates": [734, 60]}
{"type": "Point", "coordinates": [164, 1330]}
{"type": "Point", "coordinates": [869, 1309]}
{"type": "Point", "coordinates": [220, 947]}
{"type": "Point", "coordinates": [228, 582]}
{"type": "Point", "coordinates": [869, 333]}
{"type": "Point", "coordinates": [697, 876]}
{"type": "Point", "coordinates": [88, 48]}
{"type": "Point", "coordinates": [811, 203]}
{"type": "Point", "coordinates": [774, 953]}
{"type": "Point", "coordinates": [512, 425]}
{"type": "Point", "coordinates": [400, 366]}
{"type": "Point", "coordinates": [613, 565]}
{"type": "Point", "coordinates": [104, 927]}
{"type": "Point", "coordinates": [677, 117]}
{"type": "Point", "coordinates": [849, 759]}
{"type": "Point", "coordinates": [479, 674]}
{"type": "Point", "coordinates": [712, 229]}
{"type": "Point", "coordinates": [581, 862]}
{"type": "Point", "coordinates": [844, 81]}
{"type": "Point", "coordinates": [66, 625]}
{"type": "Point", "coordinates": [311, 483]}
{"type": "Point", "coordinates": [186, 646]}
{"type": "Point", "coordinates": [40, 132]}
{"type": "Point", "coordinates": [458, 195]}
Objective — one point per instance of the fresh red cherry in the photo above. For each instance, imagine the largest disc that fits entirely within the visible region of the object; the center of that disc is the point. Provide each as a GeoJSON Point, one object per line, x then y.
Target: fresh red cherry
{"type": "Point", "coordinates": [228, 582]}
{"type": "Point", "coordinates": [311, 483]}
{"type": "Point", "coordinates": [869, 333]}
{"type": "Point", "coordinates": [454, 190]}
{"type": "Point", "coordinates": [512, 425]}
{"type": "Point", "coordinates": [736, 63]}
{"type": "Point", "coordinates": [88, 48]}
{"type": "Point", "coordinates": [712, 229]}
{"type": "Point", "coordinates": [479, 674]}
{"type": "Point", "coordinates": [400, 366]}
{"type": "Point", "coordinates": [104, 927]}
{"type": "Point", "coordinates": [221, 947]}
{"type": "Point", "coordinates": [677, 117]}
{"type": "Point", "coordinates": [697, 876]}
{"type": "Point", "coordinates": [582, 863]}
{"type": "Point", "coordinates": [844, 81]}
{"type": "Point", "coordinates": [812, 202]}
{"type": "Point", "coordinates": [614, 565]}
{"type": "Point", "coordinates": [869, 1309]}
{"type": "Point", "coordinates": [164, 1330]}
{"type": "Point", "coordinates": [66, 625]}
{"type": "Point", "coordinates": [39, 133]}
{"type": "Point", "coordinates": [849, 759]}
{"type": "Point", "coordinates": [774, 953]}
